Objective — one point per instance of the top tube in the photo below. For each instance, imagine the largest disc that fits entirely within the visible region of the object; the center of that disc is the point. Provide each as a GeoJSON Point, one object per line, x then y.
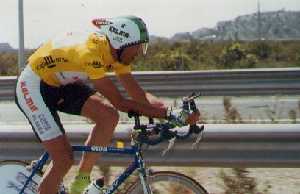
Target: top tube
{"type": "Point", "coordinates": [131, 150]}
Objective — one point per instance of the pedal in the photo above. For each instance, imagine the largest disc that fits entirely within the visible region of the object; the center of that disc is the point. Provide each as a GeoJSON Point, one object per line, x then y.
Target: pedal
{"type": "Point", "coordinates": [170, 146]}
{"type": "Point", "coordinates": [198, 139]}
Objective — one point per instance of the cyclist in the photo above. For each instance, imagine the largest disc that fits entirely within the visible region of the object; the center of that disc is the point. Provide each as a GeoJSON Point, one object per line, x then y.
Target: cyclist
{"type": "Point", "coordinates": [58, 77]}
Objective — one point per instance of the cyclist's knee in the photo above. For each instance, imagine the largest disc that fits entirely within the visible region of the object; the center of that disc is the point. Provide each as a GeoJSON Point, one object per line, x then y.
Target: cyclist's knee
{"type": "Point", "coordinates": [61, 152]}
{"type": "Point", "coordinates": [99, 110]}
{"type": "Point", "coordinates": [109, 116]}
{"type": "Point", "coordinates": [64, 163]}
{"type": "Point", "coordinates": [113, 117]}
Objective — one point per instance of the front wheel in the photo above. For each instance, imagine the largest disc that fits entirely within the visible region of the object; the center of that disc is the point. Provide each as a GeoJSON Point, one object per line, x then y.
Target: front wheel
{"type": "Point", "coordinates": [168, 182]}
{"type": "Point", "coordinates": [13, 176]}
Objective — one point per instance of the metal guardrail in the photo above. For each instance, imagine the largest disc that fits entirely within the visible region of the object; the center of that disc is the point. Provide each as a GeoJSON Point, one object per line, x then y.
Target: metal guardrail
{"type": "Point", "coordinates": [7, 87]}
{"type": "Point", "coordinates": [229, 145]}
{"type": "Point", "coordinates": [211, 83]}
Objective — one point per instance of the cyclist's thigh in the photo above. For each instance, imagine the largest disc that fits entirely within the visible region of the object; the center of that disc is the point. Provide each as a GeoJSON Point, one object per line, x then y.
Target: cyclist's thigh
{"type": "Point", "coordinates": [99, 109]}
{"type": "Point", "coordinates": [80, 99]}
{"type": "Point", "coordinates": [45, 122]}
{"type": "Point", "coordinates": [73, 97]}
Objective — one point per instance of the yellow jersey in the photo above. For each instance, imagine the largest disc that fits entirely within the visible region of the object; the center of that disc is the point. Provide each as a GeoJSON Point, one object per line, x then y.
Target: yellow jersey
{"type": "Point", "coordinates": [59, 62]}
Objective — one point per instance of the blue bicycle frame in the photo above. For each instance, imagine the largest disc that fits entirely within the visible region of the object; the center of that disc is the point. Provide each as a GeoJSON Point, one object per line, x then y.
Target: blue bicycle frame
{"type": "Point", "coordinates": [135, 151]}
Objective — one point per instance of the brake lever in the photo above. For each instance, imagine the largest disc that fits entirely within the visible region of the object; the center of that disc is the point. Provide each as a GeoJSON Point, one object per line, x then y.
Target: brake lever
{"type": "Point", "coordinates": [170, 146]}
{"type": "Point", "coordinates": [193, 96]}
{"type": "Point", "coordinates": [199, 138]}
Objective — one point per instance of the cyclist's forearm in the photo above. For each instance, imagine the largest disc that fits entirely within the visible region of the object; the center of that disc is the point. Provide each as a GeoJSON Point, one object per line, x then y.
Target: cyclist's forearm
{"type": "Point", "coordinates": [139, 96]}
{"type": "Point", "coordinates": [127, 105]}
{"type": "Point", "coordinates": [133, 88]}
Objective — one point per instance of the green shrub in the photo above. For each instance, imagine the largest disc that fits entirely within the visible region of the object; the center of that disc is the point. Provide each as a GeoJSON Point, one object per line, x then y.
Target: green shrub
{"type": "Point", "coordinates": [8, 64]}
{"type": "Point", "coordinates": [240, 182]}
{"type": "Point", "coordinates": [261, 49]}
{"type": "Point", "coordinates": [200, 55]}
{"type": "Point", "coordinates": [232, 55]}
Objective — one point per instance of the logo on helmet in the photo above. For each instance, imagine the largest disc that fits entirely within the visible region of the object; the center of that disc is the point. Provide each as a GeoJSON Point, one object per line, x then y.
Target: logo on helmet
{"type": "Point", "coordinates": [118, 39]}
{"type": "Point", "coordinates": [101, 22]}
{"type": "Point", "coordinates": [123, 31]}
{"type": "Point", "coordinates": [119, 32]}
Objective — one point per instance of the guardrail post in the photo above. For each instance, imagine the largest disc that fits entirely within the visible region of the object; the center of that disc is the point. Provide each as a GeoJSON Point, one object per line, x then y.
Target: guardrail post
{"type": "Point", "coordinates": [21, 52]}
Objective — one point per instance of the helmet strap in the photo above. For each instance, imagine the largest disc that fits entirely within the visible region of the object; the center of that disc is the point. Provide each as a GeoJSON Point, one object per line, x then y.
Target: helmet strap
{"type": "Point", "coordinates": [119, 54]}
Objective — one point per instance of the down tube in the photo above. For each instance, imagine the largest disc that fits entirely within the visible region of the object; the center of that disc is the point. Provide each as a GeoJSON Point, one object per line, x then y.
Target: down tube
{"type": "Point", "coordinates": [122, 177]}
{"type": "Point", "coordinates": [36, 168]}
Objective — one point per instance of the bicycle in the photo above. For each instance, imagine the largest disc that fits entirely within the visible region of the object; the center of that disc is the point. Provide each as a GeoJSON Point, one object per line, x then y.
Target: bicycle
{"type": "Point", "coordinates": [17, 178]}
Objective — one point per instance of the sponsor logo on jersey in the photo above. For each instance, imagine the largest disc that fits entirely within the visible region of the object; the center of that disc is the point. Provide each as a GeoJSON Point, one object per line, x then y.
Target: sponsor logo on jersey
{"type": "Point", "coordinates": [28, 100]}
{"type": "Point", "coordinates": [50, 62]}
{"type": "Point", "coordinates": [95, 64]}
{"type": "Point", "coordinates": [41, 123]}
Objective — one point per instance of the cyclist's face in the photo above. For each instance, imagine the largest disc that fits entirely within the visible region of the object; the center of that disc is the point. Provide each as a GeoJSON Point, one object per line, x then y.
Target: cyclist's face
{"type": "Point", "coordinates": [129, 53]}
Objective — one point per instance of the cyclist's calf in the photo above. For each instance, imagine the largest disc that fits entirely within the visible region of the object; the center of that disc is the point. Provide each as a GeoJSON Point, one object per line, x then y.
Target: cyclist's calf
{"type": "Point", "coordinates": [105, 126]}
{"type": "Point", "coordinates": [106, 118]}
{"type": "Point", "coordinates": [62, 159]}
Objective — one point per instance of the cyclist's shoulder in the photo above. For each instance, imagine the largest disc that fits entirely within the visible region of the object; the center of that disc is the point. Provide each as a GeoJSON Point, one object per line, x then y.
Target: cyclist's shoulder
{"type": "Point", "coordinates": [60, 42]}
{"type": "Point", "coordinates": [81, 42]}
{"type": "Point", "coordinates": [98, 43]}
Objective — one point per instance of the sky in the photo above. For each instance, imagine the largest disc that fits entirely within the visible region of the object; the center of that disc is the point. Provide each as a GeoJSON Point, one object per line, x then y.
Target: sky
{"type": "Point", "coordinates": [44, 19]}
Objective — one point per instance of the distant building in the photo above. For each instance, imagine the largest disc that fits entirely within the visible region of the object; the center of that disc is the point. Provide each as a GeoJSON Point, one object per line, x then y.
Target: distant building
{"type": "Point", "coordinates": [5, 47]}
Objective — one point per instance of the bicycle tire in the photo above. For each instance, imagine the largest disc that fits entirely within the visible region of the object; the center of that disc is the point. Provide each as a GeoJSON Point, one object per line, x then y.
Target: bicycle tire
{"type": "Point", "coordinates": [177, 183]}
{"type": "Point", "coordinates": [13, 177]}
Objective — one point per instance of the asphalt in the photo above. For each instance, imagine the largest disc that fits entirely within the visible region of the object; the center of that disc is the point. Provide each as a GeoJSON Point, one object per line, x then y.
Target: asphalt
{"type": "Point", "coordinates": [252, 109]}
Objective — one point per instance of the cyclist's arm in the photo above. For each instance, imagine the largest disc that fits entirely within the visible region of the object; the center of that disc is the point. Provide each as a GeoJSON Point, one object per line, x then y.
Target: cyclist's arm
{"type": "Point", "coordinates": [133, 88]}
{"type": "Point", "coordinates": [136, 92]}
{"type": "Point", "coordinates": [107, 88]}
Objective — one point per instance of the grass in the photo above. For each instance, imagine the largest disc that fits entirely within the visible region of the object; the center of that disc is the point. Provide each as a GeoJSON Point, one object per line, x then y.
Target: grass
{"type": "Point", "coordinates": [238, 182]}
{"type": "Point", "coordinates": [231, 114]}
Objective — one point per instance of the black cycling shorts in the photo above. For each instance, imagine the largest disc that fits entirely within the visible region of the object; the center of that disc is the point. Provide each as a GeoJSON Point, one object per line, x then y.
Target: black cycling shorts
{"type": "Point", "coordinates": [69, 98]}
{"type": "Point", "coordinates": [40, 102]}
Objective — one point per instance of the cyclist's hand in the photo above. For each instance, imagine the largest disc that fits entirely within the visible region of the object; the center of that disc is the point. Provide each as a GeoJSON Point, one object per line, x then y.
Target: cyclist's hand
{"type": "Point", "coordinates": [178, 119]}
{"type": "Point", "coordinates": [183, 118]}
{"type": "Point", "coordinates": [193, 118]}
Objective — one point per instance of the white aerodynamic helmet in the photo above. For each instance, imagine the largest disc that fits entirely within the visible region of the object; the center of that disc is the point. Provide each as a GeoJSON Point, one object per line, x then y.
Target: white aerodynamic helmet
{"type": "Point", "coordinates": [123, 31]}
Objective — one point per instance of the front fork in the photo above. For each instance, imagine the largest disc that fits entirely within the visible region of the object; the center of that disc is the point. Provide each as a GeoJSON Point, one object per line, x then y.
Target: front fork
{"type": "Point", "coordinates": [144, 182]}
{"type": "Point", "coordinates": [143, 174]}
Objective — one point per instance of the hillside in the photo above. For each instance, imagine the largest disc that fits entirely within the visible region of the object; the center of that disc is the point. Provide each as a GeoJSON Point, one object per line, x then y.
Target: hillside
{"type": "Point", "coordinates": [275, 25]}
